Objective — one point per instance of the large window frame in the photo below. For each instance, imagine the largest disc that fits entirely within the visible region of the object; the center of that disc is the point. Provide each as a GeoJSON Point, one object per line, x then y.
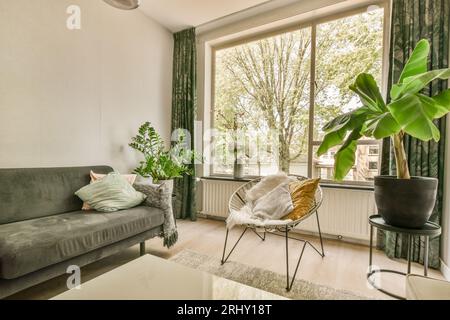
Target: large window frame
{"type": "Point", "coordinates": [312, 24]}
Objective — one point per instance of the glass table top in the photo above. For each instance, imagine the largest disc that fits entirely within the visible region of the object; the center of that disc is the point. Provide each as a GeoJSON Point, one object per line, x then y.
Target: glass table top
{"type": "Point", "coordinates": [153, 278]}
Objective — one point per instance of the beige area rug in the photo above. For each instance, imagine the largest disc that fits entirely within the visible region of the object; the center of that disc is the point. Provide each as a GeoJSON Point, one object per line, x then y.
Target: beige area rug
{"type": "Point", "coordinates": [262, 279]}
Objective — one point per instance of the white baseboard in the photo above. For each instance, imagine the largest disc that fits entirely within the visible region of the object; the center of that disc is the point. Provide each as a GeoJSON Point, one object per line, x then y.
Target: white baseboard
{"type": "Point", "coordinates": [445, 270]}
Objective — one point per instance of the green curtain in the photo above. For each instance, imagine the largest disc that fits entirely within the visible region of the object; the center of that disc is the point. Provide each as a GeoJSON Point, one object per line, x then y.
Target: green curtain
{"type": "Point", "coordinates": [413, 20]}
{"type": "Point", "coordinates": [184, 103]}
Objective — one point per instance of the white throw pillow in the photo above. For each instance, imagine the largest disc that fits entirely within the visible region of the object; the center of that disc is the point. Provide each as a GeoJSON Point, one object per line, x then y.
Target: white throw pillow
{"type": "Point", "coordinates": [266, 185]}
{"type": "Point", "coordinates": [131, 178]}
{"type": "Point", "coordinates": [274, 205]}
{"type": "Point", "coordinates": [110, 194]}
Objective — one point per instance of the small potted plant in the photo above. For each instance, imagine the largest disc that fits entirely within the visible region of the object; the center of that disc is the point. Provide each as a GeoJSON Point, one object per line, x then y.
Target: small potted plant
{"type": "Point", "coordinates": [402, 201]}
{"type": "Point", "coordinates": [160, 164]}
{"type": "Point", "coordinates": [231, 120]}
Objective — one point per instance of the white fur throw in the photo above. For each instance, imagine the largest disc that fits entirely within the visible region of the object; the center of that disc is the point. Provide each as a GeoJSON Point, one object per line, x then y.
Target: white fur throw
{"type": "Point", "coordinates": [245, 216]}
{"type": "Point", "coordinates": [275, 205]}
{"type": "Point", "coordinates": [266, 185]}
{"type": "Point", "coordinates": [266, 211]}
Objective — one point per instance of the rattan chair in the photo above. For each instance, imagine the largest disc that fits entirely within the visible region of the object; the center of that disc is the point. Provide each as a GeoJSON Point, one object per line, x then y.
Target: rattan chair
{"type": "Point", "coordinates": [237, 201]}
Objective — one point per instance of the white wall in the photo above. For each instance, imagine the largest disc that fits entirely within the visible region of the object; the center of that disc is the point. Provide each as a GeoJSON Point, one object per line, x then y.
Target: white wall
{"type": "Point", "coordinates": [71, 98]}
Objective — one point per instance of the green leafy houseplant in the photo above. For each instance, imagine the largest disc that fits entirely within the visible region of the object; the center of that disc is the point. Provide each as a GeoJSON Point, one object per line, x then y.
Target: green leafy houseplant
{"type": "Point", "coordinates": [161, 164]}
{"type": "Point", "coordinates": [410, 112]}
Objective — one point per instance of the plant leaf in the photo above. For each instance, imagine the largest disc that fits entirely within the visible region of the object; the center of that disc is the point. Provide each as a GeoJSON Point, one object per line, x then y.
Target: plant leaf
{"type": "Point", "coordinates": [442, 104]}
{"type": "Point", "coordinates": [338, 122]}
{"type": "Point", "coordinates": [416, 83]}
{"type": "Point", "coordinates": [344, 119]}
{"type": "Point", "coordinates": [418, 62]}
{"type": "Point", "coordinates": [415, 114]}
{"type": "Point", "coordinates": [367, 89]}
{"type": "Point", "coordinates": [345, 157]}
{"type": "Point", "coordinates": [382, 126]}
{"type": "Point", "coordinates": [347, 123]}
{"type": "Point", "coordinates": [331, 140]}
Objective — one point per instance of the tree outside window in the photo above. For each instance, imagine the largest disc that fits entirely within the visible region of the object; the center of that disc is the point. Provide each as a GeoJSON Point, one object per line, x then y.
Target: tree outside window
{"type": "Point", "coordinates": [263, 94]}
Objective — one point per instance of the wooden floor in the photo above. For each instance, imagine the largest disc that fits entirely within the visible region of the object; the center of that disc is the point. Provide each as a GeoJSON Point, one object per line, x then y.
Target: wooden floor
{"type": "Point", "coordinates": [344, 266]}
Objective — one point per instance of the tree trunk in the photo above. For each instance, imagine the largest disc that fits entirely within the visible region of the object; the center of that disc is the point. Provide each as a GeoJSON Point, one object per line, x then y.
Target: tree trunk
{"type": "Point", "coordinates": [400, 156]}
{"type": "Point", "coordinates": [235, 146]}
{"type": "Point", "coordinates": [283, 155]}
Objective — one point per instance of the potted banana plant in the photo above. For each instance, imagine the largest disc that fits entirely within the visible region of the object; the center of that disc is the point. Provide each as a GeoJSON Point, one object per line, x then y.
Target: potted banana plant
{"type": "Point", "coordinates": [402, 200]}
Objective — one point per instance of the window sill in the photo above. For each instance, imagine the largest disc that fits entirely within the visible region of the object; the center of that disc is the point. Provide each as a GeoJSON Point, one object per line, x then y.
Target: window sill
{"type": "Point", "coordinates": [225, 178]}
{"type": "Point", "coordinates": [331, 185]}
{"type": "Point", "coordinates": [325, 184]}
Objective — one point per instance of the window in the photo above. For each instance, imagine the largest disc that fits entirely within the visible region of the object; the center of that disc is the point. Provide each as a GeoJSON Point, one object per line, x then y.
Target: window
{"type": "Point", "coordinates": [373, 165]}
{"type": "Point", "coordinates": [272, 96]}
{"type": "Point", "coordinates": [374, 151]}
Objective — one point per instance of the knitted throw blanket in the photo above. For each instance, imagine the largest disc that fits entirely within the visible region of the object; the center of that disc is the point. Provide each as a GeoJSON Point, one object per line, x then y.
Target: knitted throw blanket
{"type": "Point", "coordinates": [158, 196]}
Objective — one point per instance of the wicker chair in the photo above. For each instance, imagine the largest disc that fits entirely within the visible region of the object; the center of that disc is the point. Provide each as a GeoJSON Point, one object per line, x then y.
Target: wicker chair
{"type": "Point", "coordinates": [237, 202]}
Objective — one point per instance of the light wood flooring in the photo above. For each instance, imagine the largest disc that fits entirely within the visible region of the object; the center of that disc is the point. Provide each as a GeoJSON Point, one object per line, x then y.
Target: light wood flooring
{"type": "Point", "coordinates": [344, 266]}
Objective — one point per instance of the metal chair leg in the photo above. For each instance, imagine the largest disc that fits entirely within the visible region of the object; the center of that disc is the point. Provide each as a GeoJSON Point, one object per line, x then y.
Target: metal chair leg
{"type": "Point", "coordinates": [225, 246]}
{"type": "Point", "coordinates": [320, 234]}
{"type": "Point", "coordinates": [290, 282]}
{"type": "Point", "coordinates": [234, 247]}
{"type": "Point", "coordinates": [263, 238]}
{"type": "Point", "coordinates": [287, 259]}
{"type": "Point", "coordinates": [296, 268]}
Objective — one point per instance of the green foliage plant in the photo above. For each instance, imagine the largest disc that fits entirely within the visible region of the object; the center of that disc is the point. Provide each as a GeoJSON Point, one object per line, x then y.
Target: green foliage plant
{"type": "Point", "coordinates": [410, 112]}
{"type": "Point", "coordinates": [159, 163]}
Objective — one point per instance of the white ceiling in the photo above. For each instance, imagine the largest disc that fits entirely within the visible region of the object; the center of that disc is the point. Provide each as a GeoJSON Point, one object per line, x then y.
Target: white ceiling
{"type": "Point", "coordinates": [177, 15]}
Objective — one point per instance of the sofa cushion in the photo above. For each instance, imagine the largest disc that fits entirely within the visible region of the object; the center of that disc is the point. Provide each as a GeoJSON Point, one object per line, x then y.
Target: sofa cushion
{"type": "Point", "coordinates": [41, 192]}
{"type": "Point", "coordinates": [31, 245]}
{"type": "Point", "coordinates": [110, 194]}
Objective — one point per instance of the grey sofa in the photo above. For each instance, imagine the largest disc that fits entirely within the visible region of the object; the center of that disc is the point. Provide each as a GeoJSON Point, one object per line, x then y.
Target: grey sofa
{"type": "Point", "coordinates": [43, 230]}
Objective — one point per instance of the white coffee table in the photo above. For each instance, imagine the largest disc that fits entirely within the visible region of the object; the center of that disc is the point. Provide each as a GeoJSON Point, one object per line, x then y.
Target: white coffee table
{"type": "Point", "coordinates": [153, 278]}
{"type": "Point", "coordinates": [423, 288]}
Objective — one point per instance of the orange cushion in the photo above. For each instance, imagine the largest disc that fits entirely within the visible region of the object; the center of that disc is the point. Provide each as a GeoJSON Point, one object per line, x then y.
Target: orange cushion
{"type": "Point", "coordinates": [302, 194]}
{"type": "Point", "coordinates": [131, 178]}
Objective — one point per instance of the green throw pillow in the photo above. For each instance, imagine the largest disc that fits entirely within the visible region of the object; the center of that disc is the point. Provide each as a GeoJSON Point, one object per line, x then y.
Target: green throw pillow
{"type": "Point", "coordinates": [110, 194]}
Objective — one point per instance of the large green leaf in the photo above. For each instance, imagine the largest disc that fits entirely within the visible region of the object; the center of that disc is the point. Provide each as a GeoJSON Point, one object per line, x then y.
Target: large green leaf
{"type": "Point", "coordinates": [418, 62]}
{"type": "Point", "coordinates": [367, 89]}
{"type": "Point", "coordinates": [338, 122]}
{"type": "Point", "coordinates": [442, 104]}
{"type": "Point", "coordinates": [382, 126]}
{"type": "Point", "coordinates": [331, 140]}
{"type": "Point", "coordinates": [345, 157]}
{"type": "Point", "coordinates": [415, 114]}
{"type": "Point", "coordinates": [416, 83]}
{"type": "Point", "coordinates": [341, 126]}
{"type": "Point", "coordinates": [344, 119]}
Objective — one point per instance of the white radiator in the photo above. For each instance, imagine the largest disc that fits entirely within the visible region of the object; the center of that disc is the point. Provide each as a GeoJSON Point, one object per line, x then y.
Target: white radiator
{"type": "Point", "coordinates": [344, 212]}
{"type": "Point", "coordinates": [215, 197]}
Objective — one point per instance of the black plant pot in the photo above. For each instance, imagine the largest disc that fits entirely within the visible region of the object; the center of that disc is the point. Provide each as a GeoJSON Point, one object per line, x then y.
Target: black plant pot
{"type": "Point", "coordinates": [405, 203]}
